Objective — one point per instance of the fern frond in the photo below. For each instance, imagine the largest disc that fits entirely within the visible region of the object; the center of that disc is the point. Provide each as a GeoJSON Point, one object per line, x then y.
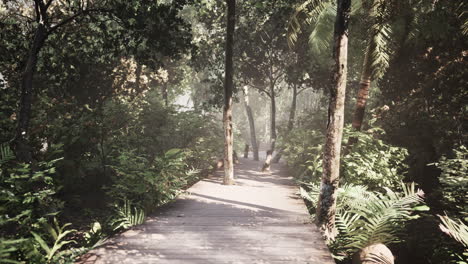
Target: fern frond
{"type": "Point", "coordinates": [374, 218]}
{"type": "Point", "coordinates": [6, 154]}
{"type": "Point", "coordinates": [127, 216]}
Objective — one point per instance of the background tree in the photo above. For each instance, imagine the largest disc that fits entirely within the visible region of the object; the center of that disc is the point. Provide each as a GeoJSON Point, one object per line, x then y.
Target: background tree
{"type": "Point", "coordinates": [228, 88]}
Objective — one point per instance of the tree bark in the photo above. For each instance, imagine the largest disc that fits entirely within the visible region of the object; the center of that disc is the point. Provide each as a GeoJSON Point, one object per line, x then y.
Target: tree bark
{"type": "Point", "coordinates": [253, 135]}
{"type": "Point", "coordinates": [363, 92]}
{"type": "Point", "coordinates": [21, 145]}
{"type": "Point", "coordinates": [273, 120]}
{"type": "Point", "coordinates": [326, 206]}
{"type": "Point", "coordinates": [292, 116]}
{"type": "Point", "coordinates": [266, 165]}
{"type": "Point", "coordinates": [165, 95]}
{"type": "Point", "coordinates": [228, 87]}
{"type": "Point", "coordinates": [292, 111]}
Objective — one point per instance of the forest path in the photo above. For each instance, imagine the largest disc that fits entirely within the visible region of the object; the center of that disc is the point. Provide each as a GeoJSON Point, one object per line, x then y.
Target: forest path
{"type": "Point", "coordinates": [259, 220]}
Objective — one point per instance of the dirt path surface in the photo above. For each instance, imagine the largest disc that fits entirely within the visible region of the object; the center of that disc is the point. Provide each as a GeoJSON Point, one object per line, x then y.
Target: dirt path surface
{"type": "Point", "coordinates": [258, 220]}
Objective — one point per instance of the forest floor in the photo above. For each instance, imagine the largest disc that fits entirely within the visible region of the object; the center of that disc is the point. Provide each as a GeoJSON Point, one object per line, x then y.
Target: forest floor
{"type": "Point", "coordinates": [261, 219]}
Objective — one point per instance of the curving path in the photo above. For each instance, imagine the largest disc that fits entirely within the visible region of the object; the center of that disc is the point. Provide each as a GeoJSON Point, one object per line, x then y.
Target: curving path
{"type": "Point", "coordinates": [258, 220]}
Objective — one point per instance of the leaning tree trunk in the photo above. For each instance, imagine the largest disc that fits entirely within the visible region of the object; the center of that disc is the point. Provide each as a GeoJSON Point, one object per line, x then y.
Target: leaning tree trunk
{"type": "Point", "coordinates": [20, 144]}
{"type": "Point", "coordinates": [326, 206]}
{"type": "Point", "coordinates": [292, 116]}
{"type": "Point", "coordinates": [266, 165]}
{"type": "Point", "coordinates": [253, 136]}
{"type": "Point", "coordinates": [363, 92]}
{"type": "Point", "coordinates": [228, 87]}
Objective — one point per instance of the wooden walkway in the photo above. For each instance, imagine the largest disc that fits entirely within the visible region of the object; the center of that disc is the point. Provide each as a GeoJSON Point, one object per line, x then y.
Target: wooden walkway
{"type": "Point", "coordinates": [258, 220]}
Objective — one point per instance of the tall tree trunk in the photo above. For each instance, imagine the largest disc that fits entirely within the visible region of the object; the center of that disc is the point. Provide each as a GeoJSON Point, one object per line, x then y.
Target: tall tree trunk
{"type": "Point", "coordinates": [292, 111]}
{"type": "Point", "coordinates": [138, 70]}
{"type": "Point", "coordinates": [165, 95]}
{"type": "Point", "coordinates": [363, 92]}
{"type": "Point", "coordinates": [21, 145]}
{"type": "Point", "coordinates": [253, 135]}
{"type": "Point", "coordinates": [228, 87]}
{"type": "Point", "coordinates": [266, 165]}
{"type": "Point", "coordinates": [273, 121]}
{"type": "Point", "coordinates": [326, 206]}
{"type": "Point", "coordinates": [292, 116]}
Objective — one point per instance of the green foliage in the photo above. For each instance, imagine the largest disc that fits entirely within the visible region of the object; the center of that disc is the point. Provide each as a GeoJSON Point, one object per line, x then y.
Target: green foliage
{"type": "Point", "coordinates": [370, 161]}
{"type": "Point", "coordinates": [7, 247]}
{"type": "Point", "coordinates": [55, 252]}
{"type": "Point", "coordinates": [127, 216]}
{"type": "Point", "coordinates": [364, 217]}
{"type": "Point", "coordinates": [95, 236]}
{"type": "Point", "coordinates": [149, 182]}
{"type": "Point", "coordinates": [454, 183]}
{"type": "Point", "coordinates": [28, 196]}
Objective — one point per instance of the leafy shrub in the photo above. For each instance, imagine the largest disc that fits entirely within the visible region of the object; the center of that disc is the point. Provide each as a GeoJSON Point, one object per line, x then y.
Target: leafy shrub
{"type": "Point", "coordinates": [27, 196]}
{"type": "Point", "coordinates": [149, 183]}
{"type": "Point", "coordinates": [370, 161]}
{"type": "Point", "coordinates": [454, 181]}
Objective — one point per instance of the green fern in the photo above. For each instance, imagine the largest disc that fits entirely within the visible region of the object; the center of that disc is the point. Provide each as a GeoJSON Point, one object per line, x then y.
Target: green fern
{"type": "Point", "coordinates": [58, 234]}
{"type": "Point", "coordinates": [376, 218]}
{"type": "Point", "coordinates": [7, 247]}
{"type": "Point", "coordinates": [127, 216]}
{"type": "Point", "coordinates": [6, 154]}
{"type": "Point", "coordinates": [364, 218]}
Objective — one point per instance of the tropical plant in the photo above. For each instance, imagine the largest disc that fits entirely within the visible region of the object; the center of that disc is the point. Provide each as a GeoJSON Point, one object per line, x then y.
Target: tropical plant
{"type": "Point", "coordinates": [7, 247]}
{"type": "Point", "coordinates": [364, 217]}
{"type": "Point", "coordinates": [370, 162]}
{"type": "Point", "coordinates": [95, 236]}
{"type": "Point", "coordinates": [58, 234]}
{"type": "Point", "coordinates": [319, 15]}
{"type": "Point", "coordinates": [454, 228]}
{"type": "Point", "coordinates": [127, 216]}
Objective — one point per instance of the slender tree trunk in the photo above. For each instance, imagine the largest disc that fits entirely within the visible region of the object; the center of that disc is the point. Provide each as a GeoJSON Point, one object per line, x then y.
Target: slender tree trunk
{"type": "Point", "coordinates": [253, 135]}
{"type": "Point", "coordinates": [266, 165]}
{"type": "Point", "coordinates": [292, 111]}
{"type": "Point", "coordinates": [165, 95]}
{"type": "Point", "coordinates": [21, 141]}
{"type": "Point", "coordinates": [363, 92]}
{"type": "Point", "coordinates": [292, 116]}
{"type": "Point", "coordinates": [138, 70]}
{"type": "Point", "coordinates": [246, 151]}
{"type": "Point", "coordinates": [326, 206]}
{"type": "Point", "coordinates": [228, 87]}
{"type": "Point", "coordinates": [273, 121]}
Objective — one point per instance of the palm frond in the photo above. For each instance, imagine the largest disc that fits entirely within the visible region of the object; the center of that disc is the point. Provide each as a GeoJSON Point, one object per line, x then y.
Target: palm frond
{"type": "Point", "coordinates": [456, 229]}
{"type": "Point", "coordinates": [463, 16]}
{"type": "Point", "coordinates": [322, 35]}
{"type": "Point", "coordinates": [304, 14]}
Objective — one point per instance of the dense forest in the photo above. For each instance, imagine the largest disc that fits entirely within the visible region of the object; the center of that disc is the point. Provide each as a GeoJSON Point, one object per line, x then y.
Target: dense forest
{"type": "Point", "coordinates": [112, 108]}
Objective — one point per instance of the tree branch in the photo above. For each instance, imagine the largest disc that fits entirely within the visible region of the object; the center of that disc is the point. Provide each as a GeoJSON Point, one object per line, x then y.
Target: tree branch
{"type": "Point", "coordinates": [71, 18]}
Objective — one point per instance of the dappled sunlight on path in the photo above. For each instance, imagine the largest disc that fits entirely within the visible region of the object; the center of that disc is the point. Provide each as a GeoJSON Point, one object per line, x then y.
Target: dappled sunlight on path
{"type": "Point", "coordinates": [258, 220]}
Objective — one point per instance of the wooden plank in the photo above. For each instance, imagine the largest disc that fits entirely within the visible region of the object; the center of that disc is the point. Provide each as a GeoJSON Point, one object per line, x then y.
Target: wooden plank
{"type": "Point", "coordinates": [259, 220]}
